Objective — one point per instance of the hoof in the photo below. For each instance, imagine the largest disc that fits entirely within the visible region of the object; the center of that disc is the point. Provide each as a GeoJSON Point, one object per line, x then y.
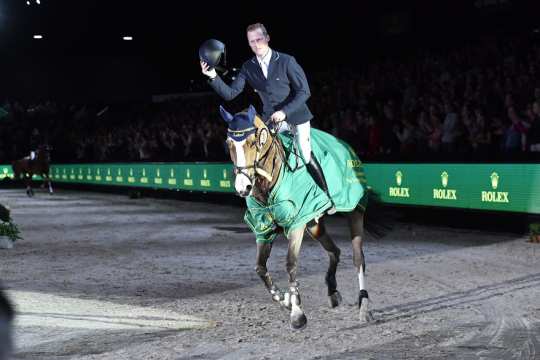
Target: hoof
{"type": "Point", "coordinates": [364, 313]}
{"type": "Point", "coordinates": [335, 299]}
{"type": "Point", "coordinates": [298, 322]}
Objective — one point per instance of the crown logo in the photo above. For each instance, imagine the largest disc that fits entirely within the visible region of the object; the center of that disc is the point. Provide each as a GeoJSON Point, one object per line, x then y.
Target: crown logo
{"type": "Point", "coordinates": [399, 177]}
{"type": "Point", "coordinates": [494, 180]}
{"type": "Point", "coordinates": [444, 178]}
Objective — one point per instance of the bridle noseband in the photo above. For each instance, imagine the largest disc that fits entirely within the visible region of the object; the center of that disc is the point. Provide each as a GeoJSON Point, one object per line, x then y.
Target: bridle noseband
{"type": "Point", "coordinates": [257, 169]}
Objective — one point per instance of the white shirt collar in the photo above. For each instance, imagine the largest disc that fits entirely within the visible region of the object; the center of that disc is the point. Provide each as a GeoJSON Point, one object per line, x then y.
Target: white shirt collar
{"type": "Point", "coordinates": [266, 58]}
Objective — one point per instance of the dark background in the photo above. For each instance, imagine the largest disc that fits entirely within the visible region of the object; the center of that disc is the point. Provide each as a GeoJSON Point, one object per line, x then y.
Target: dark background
{"type": "Point", "coordinates": [83, 58]}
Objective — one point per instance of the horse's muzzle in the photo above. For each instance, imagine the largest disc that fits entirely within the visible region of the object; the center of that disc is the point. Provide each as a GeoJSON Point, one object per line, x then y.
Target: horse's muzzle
{"type": "Point", "coordinates": [245, 193]}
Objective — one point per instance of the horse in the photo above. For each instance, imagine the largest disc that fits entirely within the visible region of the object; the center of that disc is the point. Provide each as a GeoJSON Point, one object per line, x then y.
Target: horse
{"type": "Point", "coordinates": [39, 166]}
{"type": "Point", "coordinates": [264, 162]}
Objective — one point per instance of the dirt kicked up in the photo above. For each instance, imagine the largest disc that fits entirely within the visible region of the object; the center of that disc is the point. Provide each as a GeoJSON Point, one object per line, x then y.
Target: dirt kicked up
{"type": "Point", "coordinates": [101, 276]}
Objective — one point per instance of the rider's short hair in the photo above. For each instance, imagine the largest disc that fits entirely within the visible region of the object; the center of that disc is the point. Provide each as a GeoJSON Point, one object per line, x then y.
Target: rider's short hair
{"type": "Point", "coordinates": [256, 26]}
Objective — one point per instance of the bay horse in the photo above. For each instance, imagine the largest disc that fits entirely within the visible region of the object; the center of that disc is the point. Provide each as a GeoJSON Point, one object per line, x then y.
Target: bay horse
{"type": "Point", "coordinates": [27, 168]}
{"type": "Point", "coordinates": [282, 197]}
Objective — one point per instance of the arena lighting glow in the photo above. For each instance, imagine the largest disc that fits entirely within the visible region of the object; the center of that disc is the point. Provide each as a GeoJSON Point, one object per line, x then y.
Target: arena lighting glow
{"type": "Point", "coordinates": [128, 38]}
{"type": "Point", "coordinates": [38, 36]}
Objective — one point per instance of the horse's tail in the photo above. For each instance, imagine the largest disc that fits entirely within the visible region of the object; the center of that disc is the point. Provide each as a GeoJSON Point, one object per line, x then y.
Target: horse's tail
{"type": "Point", "coordinates": [376, 218]}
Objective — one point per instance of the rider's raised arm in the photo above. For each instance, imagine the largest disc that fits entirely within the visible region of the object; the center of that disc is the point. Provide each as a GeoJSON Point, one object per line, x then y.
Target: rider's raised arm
{"type": "Point", "coordinates": [229, 92]}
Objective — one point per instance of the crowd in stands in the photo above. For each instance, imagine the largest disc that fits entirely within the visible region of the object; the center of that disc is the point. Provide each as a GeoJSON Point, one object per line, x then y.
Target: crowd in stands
{"type": "Point", "coordinates": [478, 102]}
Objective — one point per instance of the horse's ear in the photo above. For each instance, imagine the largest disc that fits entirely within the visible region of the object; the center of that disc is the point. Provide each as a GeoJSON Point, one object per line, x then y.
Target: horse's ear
{"type": "Point", "coordinates": [225, 114]}
{"type": "Point", "coordinates": [251, 113]}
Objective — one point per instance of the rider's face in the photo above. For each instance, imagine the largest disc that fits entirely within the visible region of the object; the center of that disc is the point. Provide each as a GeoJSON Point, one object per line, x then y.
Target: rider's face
{"type": "Point", "coordinates": [258, 42]}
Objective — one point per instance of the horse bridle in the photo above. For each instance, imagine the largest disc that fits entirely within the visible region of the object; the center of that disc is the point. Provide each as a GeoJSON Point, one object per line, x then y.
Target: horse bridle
{"type": "Point", "coordinates": [258, 157]}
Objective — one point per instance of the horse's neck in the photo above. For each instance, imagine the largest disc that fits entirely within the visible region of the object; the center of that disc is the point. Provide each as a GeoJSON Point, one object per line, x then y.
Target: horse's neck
{"type": "Point", "coordinates": [272, 165]}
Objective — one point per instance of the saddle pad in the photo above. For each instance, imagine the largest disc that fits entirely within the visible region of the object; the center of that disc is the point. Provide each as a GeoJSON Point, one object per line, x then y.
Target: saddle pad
{"type": "Point", "coordinates": [296, 199]}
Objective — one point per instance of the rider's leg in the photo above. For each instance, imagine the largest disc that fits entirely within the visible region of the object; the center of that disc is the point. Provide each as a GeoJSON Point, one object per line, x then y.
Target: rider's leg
{"type": "Point", "coordinates": [303, 137]}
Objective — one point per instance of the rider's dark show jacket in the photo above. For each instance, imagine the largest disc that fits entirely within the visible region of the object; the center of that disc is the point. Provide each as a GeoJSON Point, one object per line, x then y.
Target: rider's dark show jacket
{"type": "Point", "coordinates": [286, 87]}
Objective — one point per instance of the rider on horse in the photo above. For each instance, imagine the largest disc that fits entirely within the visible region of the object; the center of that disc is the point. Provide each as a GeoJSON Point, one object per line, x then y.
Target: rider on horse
{"type": "Point", "coordinates": [283, 88]}
{"type": "Point", "coordinates": [36, 140]}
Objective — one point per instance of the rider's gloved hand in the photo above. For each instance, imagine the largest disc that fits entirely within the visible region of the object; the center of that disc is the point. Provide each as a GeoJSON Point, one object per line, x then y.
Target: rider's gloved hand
{"type": "Point", "coordinates": [210, 73]}
{"type": "Point", "coordinates": [278, 116]}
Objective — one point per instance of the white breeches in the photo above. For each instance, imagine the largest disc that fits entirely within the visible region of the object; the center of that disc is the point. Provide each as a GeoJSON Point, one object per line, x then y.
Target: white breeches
{"type": "Point", "coordinates": [302, 134]}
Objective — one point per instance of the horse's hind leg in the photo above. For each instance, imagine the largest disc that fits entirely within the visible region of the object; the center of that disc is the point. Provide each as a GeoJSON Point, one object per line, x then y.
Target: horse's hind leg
{"type": "Point", "coordinates": [356, 223]}
{"type": "Point", "coordinates": [318, 232]}
{"type": "Point", "coordinates": [263, 253]}
{"type": "Point", "coordinates": [47, 181]}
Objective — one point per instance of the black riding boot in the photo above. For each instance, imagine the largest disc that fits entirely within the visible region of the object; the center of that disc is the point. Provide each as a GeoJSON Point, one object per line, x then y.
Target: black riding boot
{"type": "Point", "coordinates": [314, 169]}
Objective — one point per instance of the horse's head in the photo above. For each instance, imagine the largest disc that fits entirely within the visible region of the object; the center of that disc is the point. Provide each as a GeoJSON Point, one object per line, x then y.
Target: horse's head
{"type": "Point", "coordinates": [44, 152]}
{"type": "Point", "coordinates": [249, 140]}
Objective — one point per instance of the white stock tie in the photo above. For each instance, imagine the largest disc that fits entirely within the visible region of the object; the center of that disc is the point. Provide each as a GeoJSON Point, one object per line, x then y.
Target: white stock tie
{"type": "Point", "coordinates": [264, 67]}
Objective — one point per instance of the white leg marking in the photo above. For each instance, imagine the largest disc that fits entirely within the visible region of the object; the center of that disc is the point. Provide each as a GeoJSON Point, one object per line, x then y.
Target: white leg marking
{"type": "Point", "coordinates": [361, 278]}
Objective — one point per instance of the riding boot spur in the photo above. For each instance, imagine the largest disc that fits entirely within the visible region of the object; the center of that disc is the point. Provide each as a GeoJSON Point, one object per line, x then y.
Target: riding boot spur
{"type": "Point", "coordinates": [314, 169]}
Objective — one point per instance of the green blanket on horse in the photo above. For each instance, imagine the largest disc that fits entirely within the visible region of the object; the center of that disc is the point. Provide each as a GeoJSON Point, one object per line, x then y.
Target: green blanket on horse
{"type": "Point", "coordinates": [296, 199]}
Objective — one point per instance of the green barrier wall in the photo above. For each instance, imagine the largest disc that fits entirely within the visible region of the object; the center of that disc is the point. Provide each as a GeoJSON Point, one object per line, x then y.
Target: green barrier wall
{"type": "Point", "coordinates": [502, 187]}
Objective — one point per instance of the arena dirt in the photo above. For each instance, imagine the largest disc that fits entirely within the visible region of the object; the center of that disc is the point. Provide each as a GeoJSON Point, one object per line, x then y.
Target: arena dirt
{"type": "Point", "coordinates": [102, 276]}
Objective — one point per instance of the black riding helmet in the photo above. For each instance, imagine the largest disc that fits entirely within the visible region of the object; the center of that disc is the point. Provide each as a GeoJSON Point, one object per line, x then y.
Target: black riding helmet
{"type": "Point", "coordinates": [211, 51]}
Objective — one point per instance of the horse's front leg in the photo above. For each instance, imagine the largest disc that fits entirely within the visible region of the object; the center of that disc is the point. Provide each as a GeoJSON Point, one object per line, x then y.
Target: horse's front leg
{"type": "Point", "coordinates": [318, 232]}
{"type": "Point", "coordinates": [356, 223]}
{"type": "Point", "coordinates": [297, 317]}
{"type": "Point", "coordinates": [47, 182]}
{"type": "Point", "coordinates": [263, 253]}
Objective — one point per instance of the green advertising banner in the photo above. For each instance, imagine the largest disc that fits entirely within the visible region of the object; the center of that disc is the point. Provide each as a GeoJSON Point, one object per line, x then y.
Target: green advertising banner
{"type": "Point", "coordinates": [173, 176]}
{"type": "Point", "coordinates": [504, 187]}
{"type": "Point", "coordinates": [501, 187]}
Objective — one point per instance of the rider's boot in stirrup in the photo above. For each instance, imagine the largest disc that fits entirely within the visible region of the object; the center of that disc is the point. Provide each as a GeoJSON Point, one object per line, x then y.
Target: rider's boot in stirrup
{"type": "Point", "coordinates": [314, 169]}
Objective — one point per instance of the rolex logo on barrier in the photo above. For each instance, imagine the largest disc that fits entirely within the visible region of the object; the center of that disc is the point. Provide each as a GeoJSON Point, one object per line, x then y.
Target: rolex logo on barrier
{"type": "Point", "coordinates": [131, 178]}
{"type": "Point", "coordinates": [205, 182]}
{"type": "Point", "coordinates": [445, 194]}
{"type": "Point", "coordinates": [119, 177]}
{"type": "Point", "coordinates": [495, 196]}
{"type": "Point", "coordinates": [158, 180]}
{"type": "Point", "coordinates": [399, 191]}
{"type": "Point", "coordinates": [225, 183]}
{"type": "Point", "coordinates": [188, 181]}
{"type": "Point", "coordinates": [144, 179]}
{"type": "Point", "coordinates": [172, 179]}
{"type": "Point", "coordinates": [108, 177]}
